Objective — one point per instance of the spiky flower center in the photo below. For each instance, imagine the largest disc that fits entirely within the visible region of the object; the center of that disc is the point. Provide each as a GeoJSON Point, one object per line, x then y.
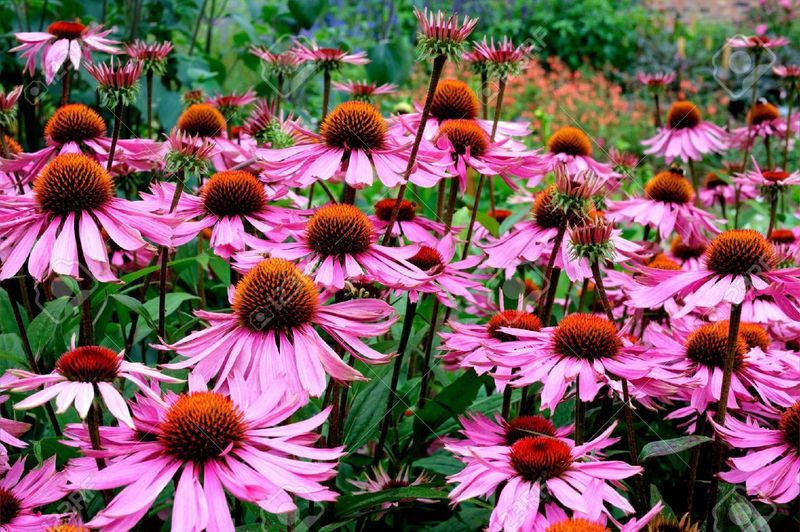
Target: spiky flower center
{"type": "Point", "coordinates": [74, 123]}
{"type": "Point", "coordinates": [587, 337]}
{"type": "Point", "coordinates": [516, 319]}
{"type": "Point", "coordinates": [68, 528]}
{"type": "Point", "coordinates": [202, 120]}
{"type": "Point", "coordinates": [662, 262]}
{"type": "Point", "coordinates": [72, 183]}
{"type": "Point", "coordinates": [540, 458]}
{"type": "Point", "coordinates": [339, 230]}
{"type": "Point", "coordinates": [528, 427]}
{"type": "Point", "coordinates": [762, 112]}
{"type": "Point", "coordinates": [64, 29]}
{"type": "Point", "coordinates": [576, 524]}
{"type": "Point", "coordinates": [713, 181]}
{"type": "Point", "coordinates": [683, 115]}
{"type": "Point", "coordinates": [662, 523]}
{"type": "Point", "coordinates": [454, 99]}
{"type": "Point", "coordinates": [546, 213]}
{"type": "Point", "coordinates": [781, 236]}
{"type": "Point", "coordinates": [775, 176]}
{"type": "Point", "coordinates": [740, 252]}
{"type": "Point", "coordinates": [9, 506]}
{"type": "Point", "coordinates": [383, 210]}
{"type": "Point", "coordinates": [754, 335]}
{"type": "Point", "coordinates": [669, 187]}
{"type": "Point", "coordinates": [275, 296]}
{"type": "Point", "coordinates": [685, 252]}
{"type": "Point", "coordinates": [427, 259]}
{"type": "Point", "coordinates": [354, 125]}
{"type": "Point", "coordinates": [570, 141]}
{"type": "Point", "coordinates": [708, 345]}
{"type": "Point", "coordinates": [790, 425]}
{"type": "Point", "coordinates": [465, 134]}
{"type": "Point", "coordinates": [13, 146]}
{"type": "Point", "coordinates": [233, 192]}
{"type": "Point", "coordinates": [200, 426]}
{"type": "Point", "coordinates": [89, 363]}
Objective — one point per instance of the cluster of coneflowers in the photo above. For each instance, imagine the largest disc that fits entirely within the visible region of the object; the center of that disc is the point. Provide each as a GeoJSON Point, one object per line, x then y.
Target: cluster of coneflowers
{"type": "Point", "coordinates": [671, 309]}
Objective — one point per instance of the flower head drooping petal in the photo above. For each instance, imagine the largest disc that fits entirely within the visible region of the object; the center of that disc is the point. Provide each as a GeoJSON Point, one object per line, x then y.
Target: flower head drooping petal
{"type": "Point", "coordinates": [188, 153]}
{"type": "Point", "coordinates": [365, 90]}
{"type": "Point", "coordinates": [8, 105]}
{"type": "Point", "coordinates": [117, 82]}
{"type": "Point", "coordinates": [230, 105]}
{"type": "Point", "coordinates": [442, 34]}
{"type": "Point", "coordinates": [500, 60]}
{"type": "Point", "coordinates": [279, 64]}
{"type": "Point", "coordinates": [327, 58]}
{"type": "Point", "coordinates": [153, 56]}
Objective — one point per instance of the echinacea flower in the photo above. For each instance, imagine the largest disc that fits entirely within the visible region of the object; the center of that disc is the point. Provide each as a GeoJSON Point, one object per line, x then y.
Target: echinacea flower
{"type": "Point", "coordinates": [763, 121]}
{"type": "Point", "coordinates": [790, 72]}
{"type": "Point", "coordinates": [76, 128]}
{"type": "Point", "coordinates": [270, 337]}
{"type": "Point", "coordinates": [555, 519]}
{"type": "Point", "coordinates": [203, 120]}
{"type": "Point", "coordinates": [10, 431]}
{"type": "Point", "coordinates": [501, 60]}
{"type": "Point", "coordinates": [757, 43]}
{"type": "Point", "coordinates": [193, 97]}
{"type": "Point", "coordinates": [538, 468]}
{"type": "Point", "coordinates": [187, 154]}
{"type": "Point", "coordinates": [381, 481]}
{"type": "Point", "coordinates": [770, 182]}
{"type": "Point", "coordinates": [339, 243]}
{"type": "Point", "coordinates": [327, 58]}
{"type": "Point", "coordinates": [365, 90]}
{"type": "Point", "coordinates": [686, 135]}
{"type": "Point", "coordinates": [268, 129]}
{"type": "Point", "coordinates": [22, 496]}
{"type": "Point", "coordinates": [82, 373]}
{"type": "Point", "coordinates": [116, 82]}
{"type": "Point", "coordinates": [735, 262]}
{"type": "Point", "coordinates": [73, 198]}
{"type": "Point", "coordinates": [667, 205]}
{"type": "Point", "coordinates": [230, 105]}
{"type": "Point", "coordinates": [280, 64]}
{"type": "Point", "coordinates": [478, 346]}
{"type": "Point", "coordinates": [152, 56]}
{"type": "Point", "coordinates": [410, 225]}
{"type": "Point", "coordinates": [571, 146]}
{"type": "Point", "coordinates": [230, 202]}
{"type": "Point", "coordinates": [354, 141]}
{"type": "Point", "coordinates": [657, 81]}
{"type": "Point", "coordinates": [63, 40]}
{"type": "Point", "coordinates": [770, 468]}
{"type": "Point", "coordinates": [479, 430]}
{"type": "Point", "coordinates": [442, 35]}
{"type": "Point", "coordinates": [208, 443]}
{"type": "Point", "coordinates": [8, 107]}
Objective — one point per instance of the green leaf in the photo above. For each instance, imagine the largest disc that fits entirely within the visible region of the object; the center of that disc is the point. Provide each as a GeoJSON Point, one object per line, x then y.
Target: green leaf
{"type": "Point", "coordinates": [673, 446]}
{"type": "Point", "coordinates": [352, 504]}
{"type": "Point", "coordinates": [306, 12]}
{"type": "Point", "coordinates": [441, 463]}
{"type": "Point", "coordinates": [390, 61]}
{"type": "Point", "coordinates": [368, 408]}
{"type": "Point", "coordinates": [734, 509]}
{"type": "Point", "coordinates": [450, 402]}
{"type": "Point", "coordinates": [45, 327]}
{"type": "Point", "coordinates": [172, 302]}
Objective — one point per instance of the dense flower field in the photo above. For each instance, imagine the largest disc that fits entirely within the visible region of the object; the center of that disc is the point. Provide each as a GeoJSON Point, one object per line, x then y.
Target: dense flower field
{"type": "Point", "coordinates": [473, 312]}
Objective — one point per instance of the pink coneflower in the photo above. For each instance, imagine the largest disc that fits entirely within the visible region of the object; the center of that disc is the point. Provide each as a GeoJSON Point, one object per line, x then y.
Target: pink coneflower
{"type": "Point", "coordinates": [597, 241]}
{"type": "Point", "coordinates": [582, 347]}
{"type": "Point", "coordinates": [787, 71]}
{"type": "Point", "coordinates": [22, 496]}
{"type": "Point", "coordinates": [268, 128]}
{"type": "Point", "coordinates": [572, 147]}
{"type": "Point", "coordinates": [735, 263]}
{"type": "Point", "coordinates": [63, 40]}
{"type": "Point", "coordinates": [410, 225]}
{"type": "Point", "coordinates": [448, 280]}
{"type": "Point", "coordinates": [698, 352]}
{"type": "Point", "coordinates": [534, 238]}
{"type": "Point", "coordinates": [76, 128]}
{"type": "Point", "coordinates": [555, 519]}
{"type": "Point", "coordinates": [622, 160]}
{"type": "Point", "coordinates": [757, 42]}
{"type": "Point", "coordinates": [469, 147]}
{"type": "Point", "coordinates": [339, 243]}
{"type": "Point", "coordinates": [283, 64]}
{"type": "Point", "coordinates": [205, 121]}
{"type": "Point", "coordinates": [8, 107]}
{"type": "Point", "coordinates": [153, 56]}
{"type": "Point", "coordinates": [442, 34]}
{"type": "Point", "coordinates": [354, 141]}
{"type": "Point", "coordinates": [718, 191]}
{"type": "Point", "coordinates": [365, 90]}
{"type": "Point", "coordinates": [767, 181]}
{"type": "Point", "coordinates": [455, 100]}
{"type": "Point", "coordinates": [383, 481]}
{"type": "Point", "coordinates": [79, 375]}
{"type": "Point", "coordinates": [231, 104]}
{"type": "Point", "coordinates": [538, 467]}
{"type": "Point", "coordinates": [501, 60]}
{"type": "Point", "coordinates": [10, 431]}
{"type": "Point", "coordinates": [667, 205]}
{"type": "Point", "coordinates": [686, 135]}
{"type": "Point", "coordinates": [116, 82]}
{"type": "Point", "coordinates": [208, 443]}
{"type": "Point", "coordinates": [73, 198]}
{"type": "Point", "coordinates": [270, 335]}
{"type": "Point", "coordinates": [763, 121]}
{"type": "Point", "coordinates": [771, 466]}
{"type": "Point", "coordinates": [657, 80]}
{"type": "Point", "coordinates": [327, 58]}
{"type": "Point", "coordinates": [187, 153]}
{"type": "Point", "coordinates": [479, 430]}
{"type": "Point", "coordinates": [479, 345]}
{"type": "Point", "coordinates": [231, 203]}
